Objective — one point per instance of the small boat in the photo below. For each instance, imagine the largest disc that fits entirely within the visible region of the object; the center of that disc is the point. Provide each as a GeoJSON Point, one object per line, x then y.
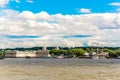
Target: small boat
{"type": "Point", "coordinates": [27, 57]}
{"type": "Point", "coordinates": [95, 57]}
{"type": "Point", "coordinates": [118, 57]}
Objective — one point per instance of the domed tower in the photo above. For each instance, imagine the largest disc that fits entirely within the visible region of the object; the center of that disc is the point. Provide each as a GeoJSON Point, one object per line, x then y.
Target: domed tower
{"type": "Point", "coordinates": [57, 47]}
{"type": "Point", "coordinates": [44, 48]}
{"type": "Point", "coordinates": [43, 53]}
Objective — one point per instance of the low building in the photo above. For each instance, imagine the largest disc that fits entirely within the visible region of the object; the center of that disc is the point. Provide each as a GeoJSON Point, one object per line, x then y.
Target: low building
{"type": "Point", "coordinates": [42, 54]}
{"type": "Point", "coordinates": [26, 53]}
{"type": "Point", "coordinates": [103, 55]}
{"type": "Point", "coordinates": [94, 56]}
{"type": "Point", "coordinates": [10, 54]}
{"type": "Point", "coordinates": [22, 54]}
{"type": "Point", "coordinates": [86, 55]}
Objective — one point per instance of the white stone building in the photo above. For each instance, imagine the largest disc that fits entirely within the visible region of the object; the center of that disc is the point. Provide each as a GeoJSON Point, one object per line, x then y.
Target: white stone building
{"type": "Point", "coordinates": [25, 53]}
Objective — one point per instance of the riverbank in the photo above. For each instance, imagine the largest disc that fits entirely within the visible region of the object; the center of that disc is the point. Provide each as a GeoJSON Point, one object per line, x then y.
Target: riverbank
{"type": "Point", "coordinates": [59, 69]}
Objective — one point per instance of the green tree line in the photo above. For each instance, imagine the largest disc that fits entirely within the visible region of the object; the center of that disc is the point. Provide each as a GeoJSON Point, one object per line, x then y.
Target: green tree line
{"type": "Point", "coordinates": [79, 52]}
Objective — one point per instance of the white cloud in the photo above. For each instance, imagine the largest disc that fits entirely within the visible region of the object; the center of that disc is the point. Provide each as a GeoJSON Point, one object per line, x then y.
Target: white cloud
{"type": "Point", "coordinates": [84, 10]}
{"type": "Point", "coordinates": [118, 9]}
{"type": "Point", "coordinates": [115, 4]}
{"type": "Point", "coordinates": [52, 28]}
{"type": "Point", "coordinates": [27, 15]}
{"type": "Point", "coordinates": [18, 1]}
{"type": "Point", "coordinates": [3, 2]}
{"type": "Point", "coordinates": [29, 1]}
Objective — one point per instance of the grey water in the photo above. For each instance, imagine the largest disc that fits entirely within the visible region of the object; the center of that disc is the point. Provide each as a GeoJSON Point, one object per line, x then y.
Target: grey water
{"type": "Point", "coordinates": [59, 62]}
{"type": "Point", "coordinates": [59, 69]}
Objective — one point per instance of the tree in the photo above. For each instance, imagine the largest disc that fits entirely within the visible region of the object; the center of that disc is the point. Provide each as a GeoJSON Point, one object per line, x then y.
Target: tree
{"type": "Point", "coordinates": [105, 50]}
{"type": "Point", "coordinates": [77, 52]}
{"type": "Point", "coordinates": [117, 53]}
{"type": "Point", "coordinates": [58, 52]}
{"type": "Point", "coordinates": [112, 54]}
{"type": "Point", "coordinates": [53, 52]}
{"type": "Point", "coordinates": [88, 50]}
{"type": "Point", "coordinates": [2, 54]}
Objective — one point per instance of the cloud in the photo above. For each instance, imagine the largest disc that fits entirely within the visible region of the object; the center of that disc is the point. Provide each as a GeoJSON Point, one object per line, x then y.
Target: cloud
{"type": "Point", "coordinates": [118, 9]}
{"type": "Point", "coordinates": [117, 4]}
{"type": "Point", "coordinates": [18, 1]}
{"type": "Point", "coordinates": [29, 1]}
{"type": "Point", "coordinates": [36, 29]}
{"type": "Point", "coordinates": [84, 10]}
{"type": "Point", "coordinates": [3, 3]}
{"type": "Point", "coordinates": [68, 43]}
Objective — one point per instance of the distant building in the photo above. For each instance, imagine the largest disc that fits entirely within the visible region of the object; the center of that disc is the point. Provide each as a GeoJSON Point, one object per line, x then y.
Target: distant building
{"type": "Point", "coordinates": [42, 53]}
{"type": "Point", "coordinates": [26, 53]}
{"type": "Point", "coordinates": [103, 55]}
{"type": "Point", "coordinates": [86, 55]}
{"type": "Point", "coordinates": [94, 55]}
{"type": "Point", "coordinates": [10, 54]}
{"type": "Point", "coordinates": [57, 47]}
{"type": "Point", "coordinates": [22, 54]}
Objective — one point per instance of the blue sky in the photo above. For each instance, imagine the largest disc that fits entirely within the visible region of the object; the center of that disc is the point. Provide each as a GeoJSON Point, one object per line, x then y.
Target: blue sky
{"type": "Point", "coordinates": [29, 23]}
{"type": "Point", "coordinates": [62, 6]}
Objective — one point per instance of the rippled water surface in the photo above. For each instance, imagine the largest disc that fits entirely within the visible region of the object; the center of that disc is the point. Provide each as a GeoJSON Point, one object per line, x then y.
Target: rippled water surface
{"type": "Point", "coordinates": [59, 69]}
{"type": "Point", "coordinates": [59, 62]}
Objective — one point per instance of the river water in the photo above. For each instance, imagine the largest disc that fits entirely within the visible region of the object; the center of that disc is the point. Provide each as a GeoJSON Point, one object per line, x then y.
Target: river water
{"type": "Point", "coordinates": [58, 62]}
{"type": "Point", "coordinates": [59, 69]}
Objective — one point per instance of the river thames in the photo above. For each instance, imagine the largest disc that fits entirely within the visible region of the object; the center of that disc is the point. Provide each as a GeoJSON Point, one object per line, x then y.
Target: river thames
{"type": "Point", "coordinates": [59, 69]}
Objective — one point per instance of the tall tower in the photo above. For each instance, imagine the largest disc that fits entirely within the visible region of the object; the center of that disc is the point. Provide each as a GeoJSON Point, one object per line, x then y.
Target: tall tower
{"type": "Point", "coordinates": [44, 48]}
{"type": "Point", "coordinates": [57, 48]}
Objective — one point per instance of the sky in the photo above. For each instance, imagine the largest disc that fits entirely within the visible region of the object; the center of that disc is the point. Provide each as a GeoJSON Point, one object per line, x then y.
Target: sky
{"type": "Point", "coordinates": [67, 23]}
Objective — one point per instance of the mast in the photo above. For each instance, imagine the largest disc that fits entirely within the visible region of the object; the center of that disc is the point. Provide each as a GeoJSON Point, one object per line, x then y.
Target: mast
{"type": "Point", "coordinates": [97, 47]}
{"type": "Point", "coordinates": [91, 53]}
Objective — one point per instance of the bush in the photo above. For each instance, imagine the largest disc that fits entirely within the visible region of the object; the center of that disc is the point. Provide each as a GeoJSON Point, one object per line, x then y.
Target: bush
{"type": "Point", "coordinates": [112, 54]}
{"type": "Point", "coordinates": [2, 53]}
{"type": "Point", "coordinates": [105, 50]}
{"type": "Point", "coordinates": [58, 52]}
{"type": "Point", "coordinates": [117, 53]}
{"type": "Point", "coordinates": [77, 52]}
